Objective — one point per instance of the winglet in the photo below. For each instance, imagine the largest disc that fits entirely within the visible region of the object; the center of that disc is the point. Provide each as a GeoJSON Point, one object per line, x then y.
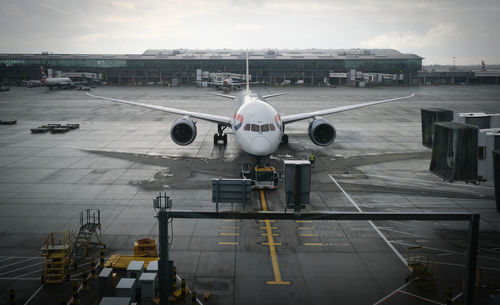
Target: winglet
{"type": "Point", "coordinates": [44, 76]}
{"type": "Point", "coordinates": [247, 77]}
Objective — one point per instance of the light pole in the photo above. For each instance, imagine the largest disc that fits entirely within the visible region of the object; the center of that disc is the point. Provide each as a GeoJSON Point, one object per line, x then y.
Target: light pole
{"type": "Point", "coordinates": [162, 204]}
{"type": "Point", "coordinates": [453, 71]}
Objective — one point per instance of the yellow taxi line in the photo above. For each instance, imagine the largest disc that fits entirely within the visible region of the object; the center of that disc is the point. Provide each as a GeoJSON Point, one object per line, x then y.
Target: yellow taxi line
{"type": "Point", "coordinates": [271, 244]}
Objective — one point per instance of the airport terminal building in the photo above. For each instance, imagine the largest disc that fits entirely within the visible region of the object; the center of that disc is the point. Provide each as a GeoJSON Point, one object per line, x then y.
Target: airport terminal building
{"type": "Point", "coordinates": [179, 66]}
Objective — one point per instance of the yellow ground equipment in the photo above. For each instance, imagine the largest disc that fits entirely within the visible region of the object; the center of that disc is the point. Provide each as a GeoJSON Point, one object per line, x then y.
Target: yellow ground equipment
{"type": "Point", "coordinates": [144, 250]}
{"type": "Point", "coordinates": [263, 177]}
{"type": "Point", "coordinates": [121, 261]}
{"type": "Point", "coordinates": [419, 268]}
{"type": "Point", "coordinates": [57, 252]}
{"type": "Point", "coordinates": [145, 247]}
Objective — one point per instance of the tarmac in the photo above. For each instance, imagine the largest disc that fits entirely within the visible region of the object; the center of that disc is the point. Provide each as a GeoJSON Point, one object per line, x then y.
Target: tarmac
{"type": "Point", "coordinates": [122, 156]}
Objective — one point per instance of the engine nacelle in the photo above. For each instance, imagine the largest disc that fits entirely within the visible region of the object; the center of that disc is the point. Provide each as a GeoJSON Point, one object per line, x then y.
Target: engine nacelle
{"type": "Point", "coordinates": [321, 132]}
{"type": "Point", "coordinates": [183, 131]}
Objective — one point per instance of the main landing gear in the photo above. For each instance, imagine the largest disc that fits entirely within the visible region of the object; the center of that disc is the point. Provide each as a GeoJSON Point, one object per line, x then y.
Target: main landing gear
{"type": "Point", "coordinates": [219, 136]}
{"type": "Point", "coordinates": [284, 138]}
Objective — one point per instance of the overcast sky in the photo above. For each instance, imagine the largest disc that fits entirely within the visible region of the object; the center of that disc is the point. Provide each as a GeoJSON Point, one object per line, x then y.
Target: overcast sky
{"type": "Point", "coordinates": [437, 30]}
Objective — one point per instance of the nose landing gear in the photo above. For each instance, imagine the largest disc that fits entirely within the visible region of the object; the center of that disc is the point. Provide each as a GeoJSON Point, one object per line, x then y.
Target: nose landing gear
{"type": "Point", "coordinates": [219, 136]}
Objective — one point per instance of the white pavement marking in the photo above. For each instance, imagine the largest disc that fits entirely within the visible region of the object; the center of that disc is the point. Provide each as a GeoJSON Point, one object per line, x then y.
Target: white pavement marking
{"type": "Point", "coordinates": [457, 296]}
{"type": "Point", "coordinates": [458, 265]}
{"type": "Point", "coordinates": [30, 259]}
{"type": "Point", "coordinates": [422, 298]}
{"type": "Point", "coordinates": [76, 275]}
{"type": "Point", "coordinates": [20, 276]}
{"type": "Point", "coordinates": [443, 250]}
{"type": "Point", "coordinates": [5, 259]}
{"type": "Point", "coordinates": [397, 231]}
{"type": "Point", "coordinates": [489, 250]}
{"type": "Point", "coordinates": [34, 294]}
{"type": "Point", "coordinates": [371, 223]}
{"type": "Point", "coordinates": [3, 256]}
{"type": "Point", "coordinates": [392, 293]}
{"type": "Point", "coordinates": [25, 267]}
{"type": "Point", "coordinates": [20, 279]}
{"type": "Point", "coordinates": [419, 180]}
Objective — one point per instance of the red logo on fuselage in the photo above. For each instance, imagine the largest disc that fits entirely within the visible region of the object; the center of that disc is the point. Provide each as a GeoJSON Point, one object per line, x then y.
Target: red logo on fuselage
{"type": "Point", "coordinates": [238, 117]}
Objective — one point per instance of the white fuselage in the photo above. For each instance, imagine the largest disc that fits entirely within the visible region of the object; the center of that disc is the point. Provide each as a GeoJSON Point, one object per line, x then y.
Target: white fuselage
{"type": "Point", "coordinates": [257, 125]}
{"type": "Point", "coordinates": [57, 81]}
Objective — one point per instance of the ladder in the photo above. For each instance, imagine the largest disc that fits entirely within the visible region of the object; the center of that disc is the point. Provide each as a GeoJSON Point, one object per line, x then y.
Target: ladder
{"type": "Point", "coordinates": [56, 250]}
{"type": "Point", "coordinates": [89, 233]}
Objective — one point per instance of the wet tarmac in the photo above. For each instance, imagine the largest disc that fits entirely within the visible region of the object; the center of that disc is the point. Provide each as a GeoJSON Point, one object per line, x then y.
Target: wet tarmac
{"type": "Point", "coordinates": [122, 156]}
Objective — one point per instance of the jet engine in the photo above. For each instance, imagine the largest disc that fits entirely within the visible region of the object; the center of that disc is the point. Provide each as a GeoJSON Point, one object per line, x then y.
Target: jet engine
{"type": "Point", "coordinates": [183, 131]}
{"type": "Point", "coordinates": [321, 132]}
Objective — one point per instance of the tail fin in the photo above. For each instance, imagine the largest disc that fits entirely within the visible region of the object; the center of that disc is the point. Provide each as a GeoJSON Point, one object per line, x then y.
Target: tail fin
{"type": "Point", "coordinates": [247, 76]}
{"type": "Point", "coordinates": [44, 76]}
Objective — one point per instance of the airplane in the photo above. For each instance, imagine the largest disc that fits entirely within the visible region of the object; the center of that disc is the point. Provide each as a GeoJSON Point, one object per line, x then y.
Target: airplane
{"type": "Point", "coordinates": [226, 82]}
{"type": "Point", "coordinates": [258, 127]}
{"type": "Point", "coordinates": [51, 82]}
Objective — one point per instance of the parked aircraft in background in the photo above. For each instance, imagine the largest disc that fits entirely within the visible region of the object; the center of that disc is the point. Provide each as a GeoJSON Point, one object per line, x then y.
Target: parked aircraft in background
{"type": "Point", "coordinates": [258, 127]}
{"type": "Point", "coordinates": [226, 81]}
{"type": "Point", "coordinates": [51, 82]}
{"type": "Point", "coordinates": [227, 84]}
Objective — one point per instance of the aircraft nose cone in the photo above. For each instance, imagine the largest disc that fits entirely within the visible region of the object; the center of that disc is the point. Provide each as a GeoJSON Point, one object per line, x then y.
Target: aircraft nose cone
{"type": "Point", "coordinates": [260, 146]}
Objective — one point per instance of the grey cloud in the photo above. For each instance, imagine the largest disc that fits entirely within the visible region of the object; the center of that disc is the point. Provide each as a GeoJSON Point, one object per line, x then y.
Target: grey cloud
{"type": "Point", "coordinates": [435, 30]}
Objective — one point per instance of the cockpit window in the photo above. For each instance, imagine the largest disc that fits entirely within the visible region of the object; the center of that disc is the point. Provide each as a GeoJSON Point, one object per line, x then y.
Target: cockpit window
{"type": "Point", "coordinates": [260, 128]}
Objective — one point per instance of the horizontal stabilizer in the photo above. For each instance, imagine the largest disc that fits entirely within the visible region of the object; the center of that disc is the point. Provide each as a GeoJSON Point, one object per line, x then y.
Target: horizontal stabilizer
{"type": "Point", "coordinates": [274, 94]}
{"type": "Point", "coordinates": [222, 95]}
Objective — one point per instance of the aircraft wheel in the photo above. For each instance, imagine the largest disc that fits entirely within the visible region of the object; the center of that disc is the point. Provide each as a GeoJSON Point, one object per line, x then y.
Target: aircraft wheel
{"type": "Point", "coordinates": [224, 139]}
{"type": "Point", "coordinates": [216, 138]}
{"type": "Point", "coordinates": [284, 139]}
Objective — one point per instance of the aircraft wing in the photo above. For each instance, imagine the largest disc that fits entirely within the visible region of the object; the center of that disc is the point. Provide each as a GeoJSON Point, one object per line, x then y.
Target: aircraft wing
{"type": "Point", "coordinates": [202, 116]}
{"type": "Point", "coordinates": [302, 116]}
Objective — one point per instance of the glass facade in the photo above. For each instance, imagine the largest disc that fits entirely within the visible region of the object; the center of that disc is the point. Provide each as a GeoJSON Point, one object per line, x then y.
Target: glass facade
{"type": "Point", "coordinates": [133, 69]}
